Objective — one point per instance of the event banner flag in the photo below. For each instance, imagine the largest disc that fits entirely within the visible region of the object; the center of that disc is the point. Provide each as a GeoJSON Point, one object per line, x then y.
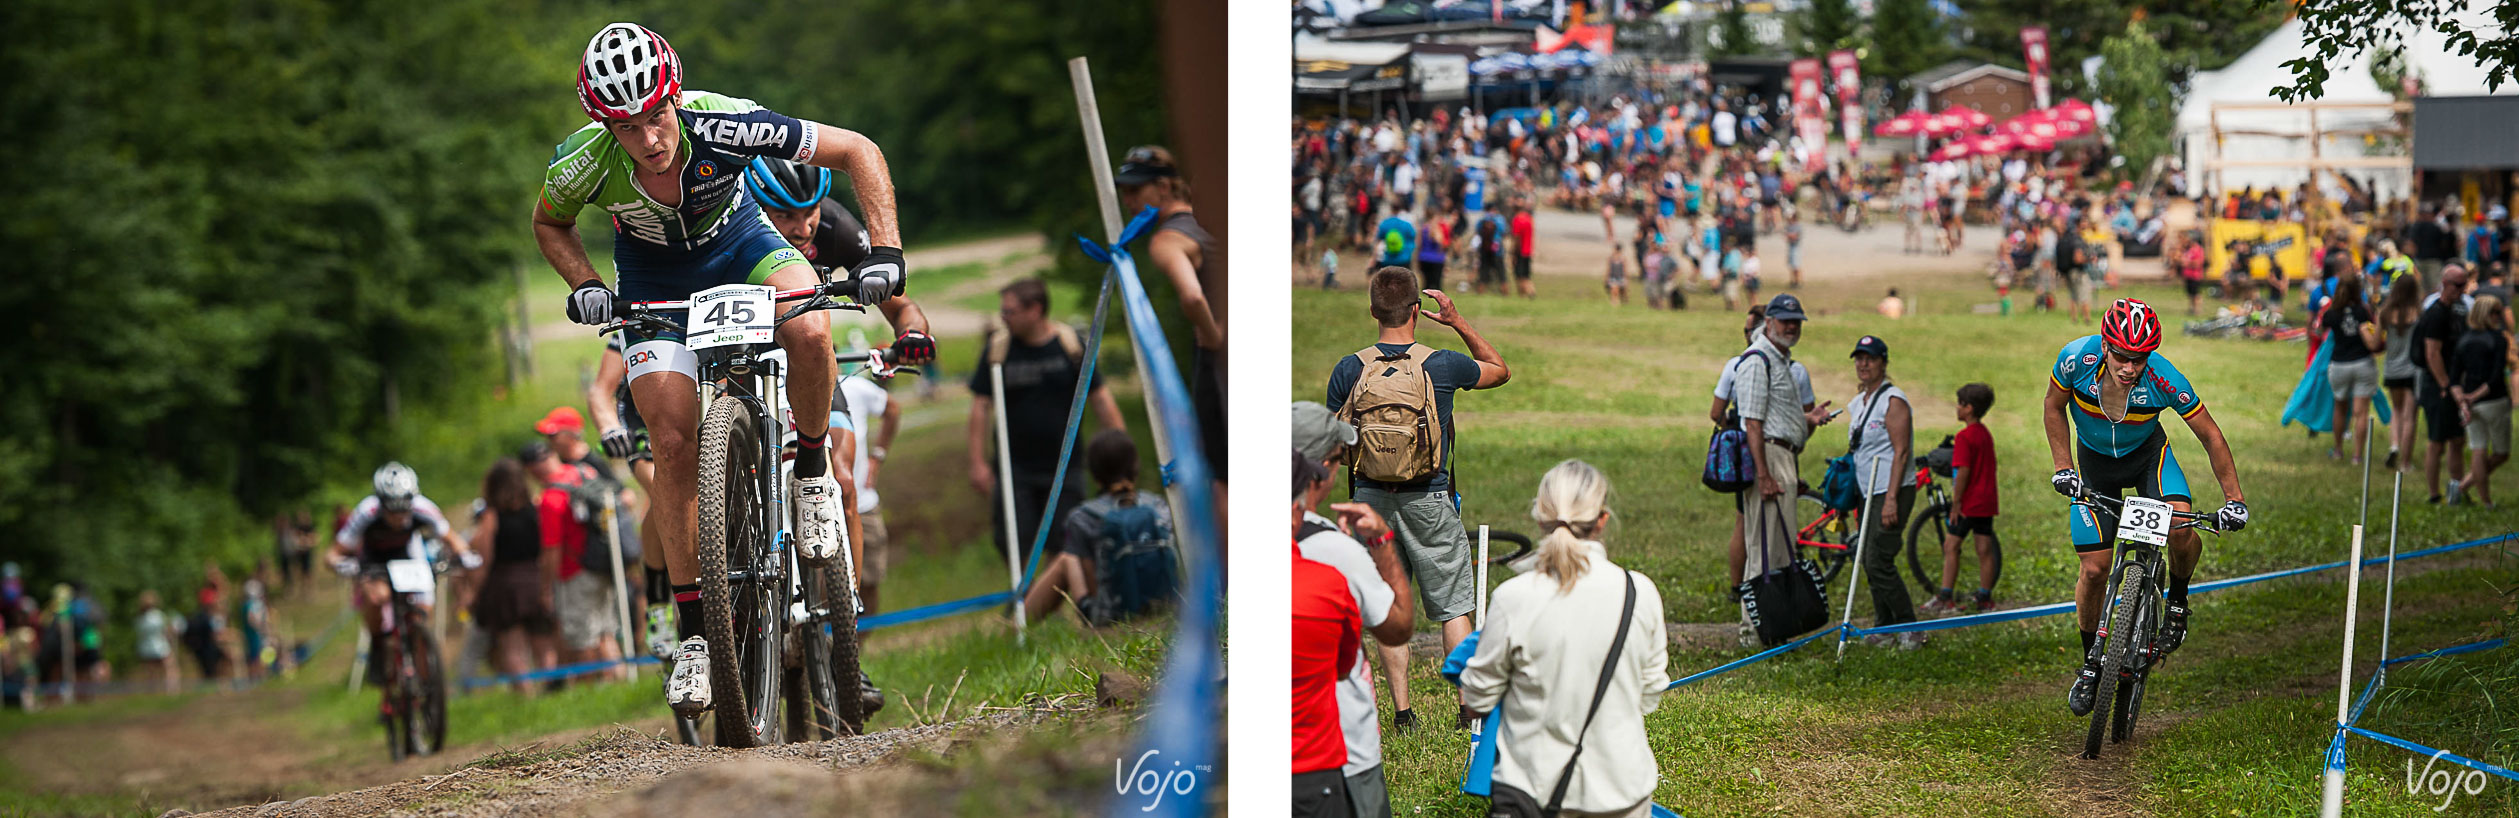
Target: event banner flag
{"type": "Point", "coordinates": [1807, 119]}
{"type": "Point", "coordinates": [2033, 44]}
{"type": "Point", "coordinates": [1849, 98]}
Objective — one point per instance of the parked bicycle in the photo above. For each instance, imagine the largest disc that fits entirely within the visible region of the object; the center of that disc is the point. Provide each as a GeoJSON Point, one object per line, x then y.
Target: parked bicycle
{"type": "Point", "coordinates": [1931, 527]}
{"type": "Point", "coordinates": [759, 592]}
{"type": "Point", "coordinates": [2129, 632]}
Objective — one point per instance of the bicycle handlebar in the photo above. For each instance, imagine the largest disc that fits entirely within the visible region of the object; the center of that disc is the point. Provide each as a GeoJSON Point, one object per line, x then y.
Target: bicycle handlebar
{"type": "Point", "coordinates": [817, 297]}
{"type": "Point", "coordinates": [2205, 521]}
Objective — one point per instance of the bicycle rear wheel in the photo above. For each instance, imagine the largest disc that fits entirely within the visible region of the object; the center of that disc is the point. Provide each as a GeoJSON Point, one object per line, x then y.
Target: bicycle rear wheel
{"type": "Point", "coordinates": [739, 619]}
{"type": "Point", "coordinates": [846, 715]}
{"type": "Point", "coordinates": [397, 702]}
{"type": "Point", "coordinates": [2118, 654]}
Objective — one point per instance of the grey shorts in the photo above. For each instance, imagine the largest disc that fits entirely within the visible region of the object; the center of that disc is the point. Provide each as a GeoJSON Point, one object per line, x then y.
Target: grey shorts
{"type": "Point", "coordinates": [1436, 547]}
{"type": "Point", "coordinates": [2354, 379]}
{"type": "Point", "coordinates": [2081, 286]}
{"type": "Point", "coordinates": [878, 542]}
{"type": "Point", "coordinates": [587, 614]}
{"type": "Point", "coordinates": [1368, 794]}
{"type": "Point", "coordinates": [2490, 429]}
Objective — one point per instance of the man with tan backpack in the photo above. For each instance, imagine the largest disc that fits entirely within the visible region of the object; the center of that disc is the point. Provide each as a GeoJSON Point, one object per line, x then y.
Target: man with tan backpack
{"type": "Point", "coordinates": [1398, 394]}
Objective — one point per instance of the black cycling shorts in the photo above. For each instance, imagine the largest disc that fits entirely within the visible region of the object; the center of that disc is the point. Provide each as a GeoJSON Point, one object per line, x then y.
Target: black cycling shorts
{"type": "Point", "coordinates": [2149, 471]}
{"type": "Point", "coordinates": [1961, 526]}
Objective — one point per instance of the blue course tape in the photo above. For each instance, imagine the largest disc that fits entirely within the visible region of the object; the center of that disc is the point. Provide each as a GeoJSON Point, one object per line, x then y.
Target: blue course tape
{"type": "Point", "coordinates": [937, 611]}
{"type": "Point", "coordinates": [1761, 656]}
{"type": "Point", "coordinates": [2335, 751]}
{"type": "Point", "coordinates": [1179, 745]}
{"type": "Point", "coordinates": [2443, 755]}
{"type": "Point", "coordinates": [2487, 644]}
{"type": "Point", "coordinates": [2203, 587]}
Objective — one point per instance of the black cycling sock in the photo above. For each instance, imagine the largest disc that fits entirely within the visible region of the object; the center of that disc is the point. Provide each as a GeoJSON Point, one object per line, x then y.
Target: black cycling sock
{"type": "Point", "coordinates": [659, 587]}
{"type": "Point", "coordinates": [686, 604]}
{"type": "Point", "coordinates": [2178, 589]}
{"type": "Point", "coordinates": [810, 461]}
{"type": "Point", "coordinates": [2088, 637]}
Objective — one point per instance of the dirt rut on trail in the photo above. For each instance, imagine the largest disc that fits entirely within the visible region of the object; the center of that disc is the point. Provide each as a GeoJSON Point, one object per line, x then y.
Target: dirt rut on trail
{"type": "Point", "coordinates": [628, 773]}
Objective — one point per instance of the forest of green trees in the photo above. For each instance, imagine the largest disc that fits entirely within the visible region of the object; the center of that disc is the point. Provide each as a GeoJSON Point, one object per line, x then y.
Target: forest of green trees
{"type": "Point", "coordinates": [247, 239]}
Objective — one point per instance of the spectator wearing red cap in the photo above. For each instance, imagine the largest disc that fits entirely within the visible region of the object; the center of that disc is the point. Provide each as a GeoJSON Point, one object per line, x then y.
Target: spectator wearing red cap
{"type": "Point", "coordinates": [565, 430]}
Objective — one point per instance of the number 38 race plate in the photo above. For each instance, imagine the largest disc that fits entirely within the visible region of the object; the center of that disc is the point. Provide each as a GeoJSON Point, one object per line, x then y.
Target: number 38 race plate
{"type": "Point", "coordinates": [2145, 521]}
{"type": "Point", "coordinates": [732, 314]}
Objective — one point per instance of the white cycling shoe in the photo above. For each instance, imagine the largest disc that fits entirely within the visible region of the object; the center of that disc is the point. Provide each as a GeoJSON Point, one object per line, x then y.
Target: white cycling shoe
{"type": "Point", "coordinates": [818, 517]}
{"type": "Point", "coordinates": [687, 691]}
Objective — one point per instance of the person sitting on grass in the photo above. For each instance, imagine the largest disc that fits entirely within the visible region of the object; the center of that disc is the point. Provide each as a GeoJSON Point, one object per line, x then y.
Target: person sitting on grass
{"type": "Point", "coordinates": [1973, 481]}
{"type": "Point", "coordinates": [1120, 560]}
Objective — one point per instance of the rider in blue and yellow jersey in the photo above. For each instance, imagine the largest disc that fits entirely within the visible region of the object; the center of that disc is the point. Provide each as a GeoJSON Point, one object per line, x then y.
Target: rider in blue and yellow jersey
{"type": "Point", "coordinates": [2115, 386]}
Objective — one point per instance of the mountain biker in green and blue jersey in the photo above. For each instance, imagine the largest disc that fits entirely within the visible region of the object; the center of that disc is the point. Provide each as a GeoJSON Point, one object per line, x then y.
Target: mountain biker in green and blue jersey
{"type": "Point", "coordinates": [667, 166]}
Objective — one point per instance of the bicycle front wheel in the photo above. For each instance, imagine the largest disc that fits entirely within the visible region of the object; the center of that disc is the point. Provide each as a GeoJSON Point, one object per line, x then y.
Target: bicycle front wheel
{"type": "Point", "coordinates": [740, 619]}
{"type": "Point", "coordinates": [2118, 654]}
{"type": "Point", "coordinates": [428, 702]}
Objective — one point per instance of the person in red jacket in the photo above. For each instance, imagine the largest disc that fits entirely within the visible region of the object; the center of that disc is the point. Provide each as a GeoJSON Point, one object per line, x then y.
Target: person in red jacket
{"type": "Point", "coordinates": [1522, 247]}
{"type": "Point", "coordinates": [1327, 635]}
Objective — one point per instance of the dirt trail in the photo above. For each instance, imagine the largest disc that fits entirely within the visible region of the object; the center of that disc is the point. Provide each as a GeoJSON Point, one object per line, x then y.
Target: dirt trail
{"type": "Point", "coordinates": [627, 772]}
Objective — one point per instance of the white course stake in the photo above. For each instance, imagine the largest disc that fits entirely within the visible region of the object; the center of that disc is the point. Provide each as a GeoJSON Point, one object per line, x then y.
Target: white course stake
{"type": "Point", "coordinates": [2331, 804]}
{"type": "Point", "coordinates": [620, 578]}
{"type": "Point", "coordinates": [1107, 195]}
{"type": "Point", "coordinates": [1863, 533]}
{"type": "Point", "coordinates": [1006, 495]}
{"type": "Point", "coordinates": [1481, 621]}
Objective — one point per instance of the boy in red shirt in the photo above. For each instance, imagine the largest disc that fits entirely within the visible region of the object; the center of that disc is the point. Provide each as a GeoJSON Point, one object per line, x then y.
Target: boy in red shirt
{"type": "Point", "coordinates": [1972, 466]}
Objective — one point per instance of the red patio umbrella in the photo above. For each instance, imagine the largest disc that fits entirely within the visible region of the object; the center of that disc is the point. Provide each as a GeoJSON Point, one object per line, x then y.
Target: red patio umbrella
{"type": "Point", "coordinates": [2033, 142]}
{"type": "Point", "coordinates": [1971, 117]}
{"type": "Point", "coordinates": [1957, 148]}
{"type": "Point", "coordinates": [1906, 124]}
{"type": "Point", "coordinates": [2075, 110]}
{"type": "Point", "coordinates": [1990, 144]}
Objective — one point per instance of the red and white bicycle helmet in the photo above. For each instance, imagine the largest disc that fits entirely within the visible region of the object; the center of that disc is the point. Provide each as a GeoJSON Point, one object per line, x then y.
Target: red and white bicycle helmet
{"type": "Point", "coordinates": [2131, 325]}
{"type": "Point", "coordinates": [627, 70]}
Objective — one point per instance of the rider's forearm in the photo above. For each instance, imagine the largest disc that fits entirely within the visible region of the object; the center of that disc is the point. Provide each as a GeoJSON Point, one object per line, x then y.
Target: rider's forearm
{"type": "Point", "coordinates": [891, 426]}
{"type": "Point", "coordinates": [1481, 351]}
{"type": "Point", "coordinates": [2058, 444]}
{"type": "Point", "coordinates": [561, 247]}
{"type": "Point", "coordinates": [2225, 469]}
{"type": "Point", "coordinates": [852, 153]}
{"type": "Point", "coordinates": [904, 315]}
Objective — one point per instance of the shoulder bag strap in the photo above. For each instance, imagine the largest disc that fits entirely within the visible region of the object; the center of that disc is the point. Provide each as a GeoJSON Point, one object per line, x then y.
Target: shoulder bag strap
{"type": "Point", "coordinates": [1609, 670]}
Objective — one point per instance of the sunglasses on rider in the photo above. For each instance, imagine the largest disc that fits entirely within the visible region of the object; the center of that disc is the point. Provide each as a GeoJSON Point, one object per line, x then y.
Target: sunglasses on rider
{"type": "Point", "coordinates": [2124, 357]}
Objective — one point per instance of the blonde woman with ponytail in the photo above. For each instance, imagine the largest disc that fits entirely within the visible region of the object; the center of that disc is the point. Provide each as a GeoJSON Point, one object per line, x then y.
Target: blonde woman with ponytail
{"type": "Point", "coordinates": [1548, 634]}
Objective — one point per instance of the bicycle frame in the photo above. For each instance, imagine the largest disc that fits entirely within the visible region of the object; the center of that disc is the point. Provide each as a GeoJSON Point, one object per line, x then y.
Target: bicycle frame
{"type": "Point", "coordinates": [2129, 626]}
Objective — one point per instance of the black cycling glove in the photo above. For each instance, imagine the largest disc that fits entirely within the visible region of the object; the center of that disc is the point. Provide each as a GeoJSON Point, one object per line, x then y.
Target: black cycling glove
{"type": "Point", "coordinates": [591, 303]}
{"type": "Point", "coordinates": [914, 349]}
{"type": "Point", "coordinates": [2067, 482]}
{"type": "Point", "coordinates": [616, 443]}
{"type": "Point", "coordinates": [882, 275]}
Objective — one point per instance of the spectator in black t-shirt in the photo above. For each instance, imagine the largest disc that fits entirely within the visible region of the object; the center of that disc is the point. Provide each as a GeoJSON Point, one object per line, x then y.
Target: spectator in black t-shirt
{"type": "Point", "coordinates": [2479, 375]}
{"type": "Point", "coordinates": [2435, 243]}
{"type": "Point", "coordinates": [1042, 360]}
{"type": "Point", "coordinates": [2352, 370]}
{"type": "Point", "coordinates": [2435, 340]}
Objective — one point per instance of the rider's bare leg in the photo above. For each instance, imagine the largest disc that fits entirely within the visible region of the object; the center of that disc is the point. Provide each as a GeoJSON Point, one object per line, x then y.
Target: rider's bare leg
{"type": "Point", "coordinates": [843, 469]}
{"type": "Point", "coordinates": [670, 402]}
{"type": "Point", "coordinates": [2090, 594]}
{"type": "Point", "coordinates": [650, 551]}
{"type": "Point", "coordinates": [810, 367]}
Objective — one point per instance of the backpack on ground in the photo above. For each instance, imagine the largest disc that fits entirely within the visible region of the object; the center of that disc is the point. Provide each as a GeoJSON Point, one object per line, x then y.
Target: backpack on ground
{"type": "Point", "coordinates": [1398, 436]}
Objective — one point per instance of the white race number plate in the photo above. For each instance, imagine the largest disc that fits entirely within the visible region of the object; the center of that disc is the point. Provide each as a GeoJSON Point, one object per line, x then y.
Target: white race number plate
{"type": "Point", "coordinates": [2145, 520]}
{"type": "Point", "coordinates": [410, 576]}
{"type": "Point", "coordinates": [732, 314]}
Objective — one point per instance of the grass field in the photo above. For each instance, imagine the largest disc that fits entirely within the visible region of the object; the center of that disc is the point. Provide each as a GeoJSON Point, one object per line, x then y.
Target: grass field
{"type": "Point", "coordinates": [1973, 724]}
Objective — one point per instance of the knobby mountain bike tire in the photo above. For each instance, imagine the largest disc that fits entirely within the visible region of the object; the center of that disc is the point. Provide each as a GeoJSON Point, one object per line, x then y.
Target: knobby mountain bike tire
{"type": "Point", "coordinates": [428, 708]}
{"type": "Point", "coordinates": [739, 620]}
{"type": "Point", "coordinates": [845, 710]}
{"type": "Point", "coordinates": [2117, 654]}
{"type": "Point", "coordinates": [397, 701]}
{"type": "Point", "coordinates": [2130, 692]}
{"type": "Point", "coordinates": [1930, 527]}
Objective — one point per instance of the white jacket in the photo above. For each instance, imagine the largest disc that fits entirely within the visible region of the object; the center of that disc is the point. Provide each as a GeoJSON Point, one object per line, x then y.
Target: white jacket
{"type": "Point", "coordinates": [1540, 656]}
